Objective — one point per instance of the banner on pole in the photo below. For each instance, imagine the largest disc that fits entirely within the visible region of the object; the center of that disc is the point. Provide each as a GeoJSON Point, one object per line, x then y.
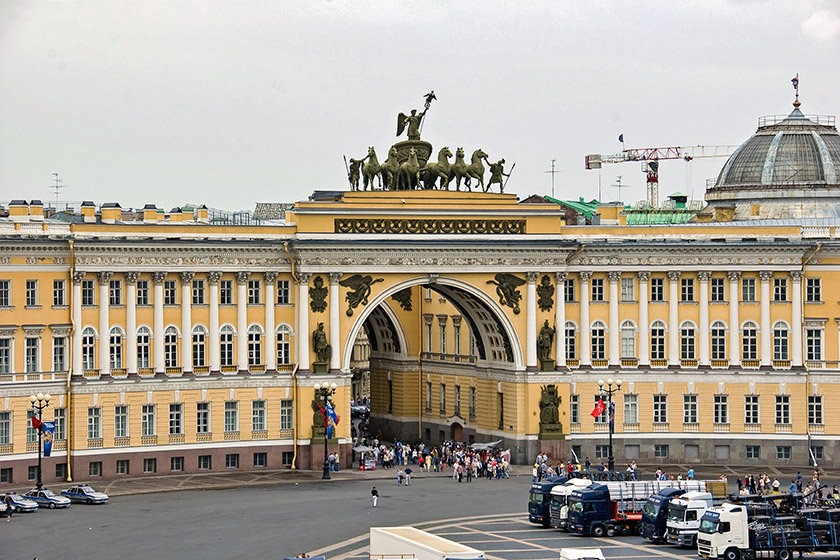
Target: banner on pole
{"type": "Point", "coordinates": [49, 435]}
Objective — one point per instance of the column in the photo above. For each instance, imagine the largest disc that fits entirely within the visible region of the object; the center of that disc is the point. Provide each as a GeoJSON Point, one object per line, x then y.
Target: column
{"type": "Point", "coordinates": [615, 330]}
{"type": "Point", "coordinates": [644, 326]}
{"type": "Point", "coordinates": [703, 329]}
{"type": "Point", "coordinates": [131, 320]}
{"type": "Point", "coordinates": [213, 278]}
{"type": "Point", "coordinates": [796, 318]}
{"type": "Point", "coordinates": [734, 326]}
{"type": "Point", "coordinates": [186, 321]}
{"type": "Point", "coordinates": [270, 329]}
{"type": "Point", "coordinates": [242, 319]}
{"type": "Point", "coordinates": [303, 333]}
{"type": "Point", "coordinates": [157, 350]}
{"type": "Point", "coordinates": [766, 327]}
{"type": "Point", "coordinates": [104, 327]}
{"type": "Point", "coordinates": [585, 352]}
{"type": "Point", "coordinates": [673, 318]}
{"type": "Point", "coordinates": [335, 324]}
{"type": "Point", "coordinates": [531, 322]}
{"type": "Point", "coordinates": [78, 363]}
{"type": "Point", "coordinates": [560, 319]}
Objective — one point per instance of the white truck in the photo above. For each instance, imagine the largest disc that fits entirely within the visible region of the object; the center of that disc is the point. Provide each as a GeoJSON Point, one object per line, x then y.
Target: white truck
{"type": "Point", "coordinates": [405, 543]}
{"type": "Point", "coordinates": [684, 515]}
{"type": "Point", "coordinates": [558, 505]}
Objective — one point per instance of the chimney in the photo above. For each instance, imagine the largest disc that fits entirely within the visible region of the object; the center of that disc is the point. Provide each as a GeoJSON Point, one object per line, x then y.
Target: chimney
{"type": "Point", "coordinates": [725, 212]}
{"type": "Point", "coordinates": [203, 215]}
{"type": "Point", "coordinates": [19, 211]}
{"type": "Point", "coordinates": [36, 211]}
{"type": "Point", "coordinates": [89, 212]}
{"type": "Point", "coordinates": [111, 212]}
{"type": "Point", "coordinates": [150, 214]}
{"type": "Point", "coordinates": [609, 212]}
{"type": "Point", "coordinates": [175, 216]}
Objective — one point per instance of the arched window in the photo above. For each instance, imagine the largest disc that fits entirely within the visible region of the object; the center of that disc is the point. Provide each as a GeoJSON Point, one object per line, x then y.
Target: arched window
{"type": "Point", "coordinates": [89, 348]}
{"type": "Point", "coordinates": [571, 341]}
{"type": "Point", "coordinates": [199, 346]}
{"type": "Point", "coordinates": [718, 331]}
{"type": "Point", "coordinates": [749, 341]}
{"type": "Point", "coordinates": [687, 341]}
{"type": "Point", "coordinates": [599, 344]}
{"type": "Point", "coordinates": [226, 343]}
{"type": "Point", "coordinates": [143, 336]}
{"type": "Point", "coordinates": [254, 346]}
{"type": "Point", "coordinates": [628, 339]}
{"type": "Point", "coordinates": [780, 341]}
{"type": "Point", "coordinates": [657, 341]}
{"type": "Point", "coordinates": [284, 345]}
{"type": "Point", "coordinates": [170, 347]}
{"type": "Point", "coordinates": [116, 348]}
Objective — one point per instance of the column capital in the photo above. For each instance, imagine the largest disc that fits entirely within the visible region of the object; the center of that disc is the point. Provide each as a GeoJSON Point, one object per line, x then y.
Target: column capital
{"type": "Point", "coordinates": [531, 277]}
{"type": "Point", "coordinates": [734, 275]}
{"type": "Point", "coordinates": [765, 275]}
{"type": "Point", "coordinates": [303, 277]}
{"type": "Point", "coordinates": [270, 277]}
{"type": "Point", "coordinates": [674, 275]}
{"type": "Point", "coordinates": [78, 276]}
{"type": "Point", "coordinates": [644, 275]}
{"type": "Point", "coordinates": [242, 276]}
{"type": "Point", "coordinates": [214, 276]}
{"type": "Point", "coordinates": [560, 276]}
{"type": "Point", "coordinates": [335, 277]}
{"type": "Point", "coordinates": [186, 277]}
{"type": "Point", "coordinates": [585, 275]}
{"type": "Point", "coordinates": [614, 275]}
{"type": "Point", "coordinates": [158, 277]}
{"type": "Point", "coordinates": [797, 275]}
{"type": "Point", "coordinates": [704, 275]}
{"type": "Point", "coordinates": [131, 277]}
{"type": "Point", "coordinates": [104, 276]}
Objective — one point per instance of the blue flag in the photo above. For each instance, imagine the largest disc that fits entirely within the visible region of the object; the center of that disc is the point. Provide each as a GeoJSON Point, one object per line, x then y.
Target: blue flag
{"type": "Point", "coordinates": [331, 420]}
{"type": "Point", "coordinates": [49, 435]}
{"type": "Point", "coordinates": [621, 138]}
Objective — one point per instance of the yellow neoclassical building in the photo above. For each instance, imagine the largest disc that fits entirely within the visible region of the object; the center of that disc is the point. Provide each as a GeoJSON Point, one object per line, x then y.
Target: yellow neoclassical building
{"type": "Point", "coordinates": [182, 342]}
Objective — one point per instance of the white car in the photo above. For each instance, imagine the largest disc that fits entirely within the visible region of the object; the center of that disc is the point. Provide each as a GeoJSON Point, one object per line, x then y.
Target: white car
{"type": "Point", "coordinates": [47, 498]}
{"type": "Point", "coordinates": [581, 554]}
{"type": "Point", "coordinates": [85, 494]}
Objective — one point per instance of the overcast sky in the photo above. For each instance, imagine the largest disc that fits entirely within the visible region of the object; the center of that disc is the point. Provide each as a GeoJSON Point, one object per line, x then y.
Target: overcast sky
{"type": "Point", "coordinates": [231, 103]}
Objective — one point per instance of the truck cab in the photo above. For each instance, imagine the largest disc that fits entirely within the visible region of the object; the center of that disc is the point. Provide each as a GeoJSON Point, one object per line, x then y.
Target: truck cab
{"type": "Point", "coordinates": [590, 511]}
{"type": "Point", "coordinates": [655, 514]}
{"type": "Point", "coordinates": [723, 532]}
{"type": "Point", "coordinates": [684, 513]}
{"type": "Point", "coordinates": [539, 499]}
{"type": "Point", "coordinates": [558, 505]}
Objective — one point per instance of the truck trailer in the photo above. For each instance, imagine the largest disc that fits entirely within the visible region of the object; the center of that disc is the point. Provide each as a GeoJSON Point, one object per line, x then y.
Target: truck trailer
{"type": "Point", "coordinates": [409, 543]}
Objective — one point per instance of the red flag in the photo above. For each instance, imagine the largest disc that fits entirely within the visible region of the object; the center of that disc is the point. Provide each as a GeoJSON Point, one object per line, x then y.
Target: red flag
{"type": "Point", "coordinates": [600, 407]}
{"type": "Point", "coordinates": [36, 424]}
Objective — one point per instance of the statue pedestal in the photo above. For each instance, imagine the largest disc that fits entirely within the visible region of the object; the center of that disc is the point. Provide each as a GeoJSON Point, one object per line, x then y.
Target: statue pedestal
{"type": "Point", "coordinates": [547, 364]}
{"type": "Point", "coordinates": [320, 367]}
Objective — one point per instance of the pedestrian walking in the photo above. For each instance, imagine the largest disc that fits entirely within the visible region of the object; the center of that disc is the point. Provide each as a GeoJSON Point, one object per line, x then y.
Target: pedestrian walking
{"type": "Point", "coordinates": [399, 476]}
{"type": "Point", "coordinates": [374, 494]}
{"type": "Point", "coordinates": [9, 509]}
{"type": "Point", "coordinates": [408, 477]}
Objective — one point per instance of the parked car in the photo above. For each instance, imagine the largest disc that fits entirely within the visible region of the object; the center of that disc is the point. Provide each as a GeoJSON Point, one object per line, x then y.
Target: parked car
{"type": "Point", "coordinates": [19, 503]}
{"type": "Point", "coordinates": [47, 498]}
{"type": "Point", "coordinates": [86, 494]}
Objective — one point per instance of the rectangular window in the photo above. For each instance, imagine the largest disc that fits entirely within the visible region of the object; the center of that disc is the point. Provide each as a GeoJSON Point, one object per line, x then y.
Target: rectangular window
{"type": "Point", "coordinates": [657, 289]}
{"type": "Point", "coordinates": [443, 398]}
{"type": "Point", "coordinates": [283, 292]}
{"type": "Point", "coordinates": [5, 428]}
{"type": "Point", "coordinates": [176, 418]}
{"type": "Point", "coordinates": [782, 452]}
{"type": "Point", "coordinates": [5, 293]}
{"type": "Point", "coordinates": [631, 409]}
{"type": "Point", "coordinates": [60, 353]}
{"type": "Point", "coordinates": [150, 465]}
{"type": "Point", "coordinates": [602, 451]}
{"type": "Point", "coordinates": [660, 409]}
{"type": "Point", "coordinates": [687, 289]}
{"type": "Point", "coordinates": [202, 418]}
{"type": "Point", "coordinates": [628, 288]}
{"type": "Point", "coordinates": [817, 451]}
{"type": "Point", "coordinates": [813, 290]}
{"type": "Point", "coordinates": [198, 292]}
{"type": "Point", "coordinates": [114, 292]}
{"type": "Point", "coordinates": [597, 289]}
{"type": "Point", "coordinates": [574, 409]}
{"type": "Point", "coordinates": [260, 459]}
{"type": "Point", "coordinates": [94, 423]}
{"type": "Point", "coordinates": [88, 293]}
{"type": "Point", "coordinates": [721, 411]}
{"type": "Point", "coordinates": [59, 293]}
{"type": "Point", "coordinates": [813, 345]}
{"type": "Point", "coordinates": [753, 452]}
{"type": "Point", "coordinates": [121, 466]}
{"type": "Point", "coordinates": [6, 475]}
{"type": "Point", "coordinates": [689, 409]}
{"type": "Point", "coordinates": [473, 400]}
{"type": "Point", "coordinates": [95, 468]}
{"type": "Point", "coordinates": [569, 290]}
{"type": "Point", "coordinates": [31, 432]}
{"type": "Point", "coordinates": [258, 416]}
{"type": "Point", "coordinates": [782, 409]}
{"type": "Point", "coordinates": [748, 289]}
{"type": "Point", "coordinates": [147, 420]}
{"type": "Point", "coordinates": [779, 289]}
{"type": "Point", "coordinates": [717, 289]}
{"type": "Point", "coordinates": [286, 458]}
{"type": "Point", "coordinates": [428, 396]}
{"type": "Point", "coordinates": [457, 400]}
{"type": "Point", "coordinates": [121, 421]}
{"type": "Point", "coordinates": [602, 418]}
{"type": "Point", "coordinates": [226, 292]}
{"type": "Point", "coordinates": [571, 339]}
{"type": "Point", "coordinates": [815, 409]}
{"type": "Point", "coordinates": [32, 472]}
{"type": "Point", "coordinates": [286, 414]}
{"type": "Point", "coordinates": [142, 292]}
{"type": "Point", "coordinates": [660, 451]}
{"type": "Point", "coordinates": [31, 293]}
{"type": "Point", "coordinates": [170, 293]}
{"type": "Point", "coordinates": [456, 337]}
{"type": "Point", "coordinates": [61, 470]}
{"type": "Point", "coordinates": [232, 461]}
{"type": "Point", "coordinates": [253, 292]}
{"type": "Point", "coordinates": [204, 462]}
{"type": "Point", "coordinates": [442, 333]}
{"type": "Point", "coordinates": [5, 355]}
{"type": "Point", "coordinates": [60, 419]}
{"type": "Point", "coordinates": [751, 410]}
{"type": "Point", "coordinates": [176, 464]}
{"type": "Point", "coordinates": [32, 355]}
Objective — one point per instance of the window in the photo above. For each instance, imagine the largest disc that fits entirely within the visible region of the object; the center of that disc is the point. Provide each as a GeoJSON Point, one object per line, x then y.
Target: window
{"type": "Point", "coordinates": [631, 451]}
{"type": "Point", "coordinates": [749, 341]}
{"type": "Point", "coordinates": [687, 341]}
{"type": "Point", "coordinates": [628, 288]}
{"type": "Point", "coordinates": [114, 292]}
{"type": "Point", "coordinates": [782, 452]}
{"type": "Point", "coordinates": [660, 451]}
{"type": "Point", "coordinates": [718, 332]}
{"type": "Point", "coordinates": [115, 346]}
{"type": "Point", "coordinates": [202, 418]}
{"type": "Point", "coordinates": [283, 292]}
{"type": "Point", "coordinates": [32, 472]}
{"type": "Point", "coordinates": [660, 409]}
{"type": "Point", "coordinates": [204, 462]}
{"type": "Point", "coordinates": [687, 289]}
{"type": "Point", "coordinates": [602, 451]}
{"type": "Point", "coordinates": [813, 345]}
{"type": "Point", "coordinates": [253, 292]}
{"type": "Point", "coordinates": [428, 396]}
{"type": "Point", "coordinates": [284, 345]}
{"type": "Point", "coordinates": [456, 337]}
{"type": "Point", "coordinates": [817, 451]}
{"type": "Point", "coordinates": [657, 289]}
{"type": "Point", "coordinates": [457, 400]}
{"type": "Point", "coordinates": [149, 465]}
{"type": "Point", "coordinates": [780, 341]}
{"type": "Point", "coordinates": [59, 293]}
{"type": "Point", "coordinates": [604, 417]}
{"type": "Point", "coordinates": [782, 409]}
{"type": "Point", "coordinates": [254, 345]}
{"type": "Point", "coordinates": [442, 335]}
{"type": "Point", "coordinates": [143, 336]}
{"type": "Point", "coordinates": [199, 346]}
{"type": "Point", "coordinates": [500, 403]}
{"type": "Point", "coordinates": [286, 458]}
{"type": "Point", "coordinates": [60, 419]}
{"type": "Point", "coordinates": [260, 459]}
{"type": "Point", "coordinates": [258, 416]}
{"type": "Point", "coordinates": [748, 289]}
{"type": "Point", "coordinates": [147, 420]}
{"type": "Point", "coordinates": [32, 354]}
{"type": "Point", "coordinates": [61, 470]}
{"type": "Point", "coordinates": [5, 355]}
{"type": "Point", "coordinates": [286, 414]}
{"type": "Point", "coordinates": [569, 290]}
{"type": "Point", "coordinates": [60, 353]}
{"type": "Point", "coordinates": [87, 293]}
{"type": "Point", "coordinates": [813, 291]}
{"type": "Point", "coordinates": [176, 419]}
{"type": "Point", "coordinates": [717, 289]}
{"type": "Point", "coordinates": [657, 341]}
{"type": "Point", "coordinates": [226, 292]}
{"type": "Point", "coordinates": [176, 464]}
{"type": "Point", "coordinates": [442, 398]}
{"type": "Point", "coordinates": [628, 339]}
{"type": "Point", "coordinates": [691, 450]}
{"type": "Point", "coordinates": [226, 345]}
{"type": "Point", "coordinates": [170, 293]}
{"type": "Point", "coordinates": [428, 332]}
{"type": "Point", "coordinates": [689, 409]}
{"type": "Point", "coordinates": [142, 292]}
{"type": "Point", "coordinates": [94, 423]}
{"type": "Point", "coordinates": [122, 466]}
{"type": "Point", "coordinates": [574, 409]}
{"type": "Point", "coordinates": [5, 293]}
{"type": "Point", "coordinates": [599, 340]}
{"type": "Point", "coordinates": [751, 410]}
{"type": "Point", "coordinates": [170, 347]}
{"type": "Point", "coordinates": [6, 475]}
{"type": "Point", "coordinates": [779, 289]}
{"type": "Point", "coordinates": [231, 416]}
{"type": "Point", "coordinates": [95, 468]}
{"type": "Point", "coordinates": [31, 433]}
{"type": "Point", "coordinates": [198, 292]}
{"type": "Point", "coordinates": [232, 461]}
{"type": "Point", "coordinates": [721, 409]}
{"type": "Point", "coordinates": [631, 409]}
{"type": "Point", "coordinates": [753, 452]}
{"type": "Point", "coordinates": [571, 347]}
{"type": "Point", "coordinates": [597, 289]}
{"type": "Point", "coordinates": [121, 421]}
{"type": "Point", "coordinates": [5, 428]}
{"type": "Point", "coordinates": [815, 409]}
{"type": "Point", "coordinates": [31, 293]}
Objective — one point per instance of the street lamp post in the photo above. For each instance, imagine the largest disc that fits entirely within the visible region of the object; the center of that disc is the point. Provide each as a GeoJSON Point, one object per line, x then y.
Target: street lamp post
{"type": "Point", "coordinates": [325, 393]}
{"type": "Point", "coordinates": [43, 400]}
{"type": "Point", "coordinates": [611, 412]}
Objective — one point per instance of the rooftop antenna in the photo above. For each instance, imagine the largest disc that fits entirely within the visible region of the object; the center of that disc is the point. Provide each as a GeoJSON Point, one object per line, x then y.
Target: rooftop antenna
{"type": "Point", "coordinates": [553, 173]}
{"type": "Point", "coordinates": [57, 188]}
{"type": "Point", "coordinates": [619, 185]}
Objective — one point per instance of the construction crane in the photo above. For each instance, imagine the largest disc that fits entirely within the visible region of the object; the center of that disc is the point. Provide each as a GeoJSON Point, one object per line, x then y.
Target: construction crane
{"type": "Point", "coordinates": [650, 161]}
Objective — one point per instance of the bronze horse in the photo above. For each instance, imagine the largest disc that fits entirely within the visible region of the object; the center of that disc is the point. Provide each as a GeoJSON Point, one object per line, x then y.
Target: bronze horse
{"type": "Point", "coordinates": [476, 168]}
{"type": "Point", "coordinates": [390, 170]}
{"type": "Point", "coordinates": [409, 178]}
{"type": "Point", "coordinates": [371, 169]}
{"type": "Point", "coordinates": [441, 169]}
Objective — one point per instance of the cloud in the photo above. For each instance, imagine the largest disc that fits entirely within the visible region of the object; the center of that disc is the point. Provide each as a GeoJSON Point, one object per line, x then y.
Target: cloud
{"type": "Point", "coordinates": [823, 25]}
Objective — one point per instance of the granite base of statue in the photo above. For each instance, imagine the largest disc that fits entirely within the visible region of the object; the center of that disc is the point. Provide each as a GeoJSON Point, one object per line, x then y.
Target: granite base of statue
{"type": "Point", "coordinates": [320, 367]}
{"type": "Point", "coordinates": [546, 364]}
